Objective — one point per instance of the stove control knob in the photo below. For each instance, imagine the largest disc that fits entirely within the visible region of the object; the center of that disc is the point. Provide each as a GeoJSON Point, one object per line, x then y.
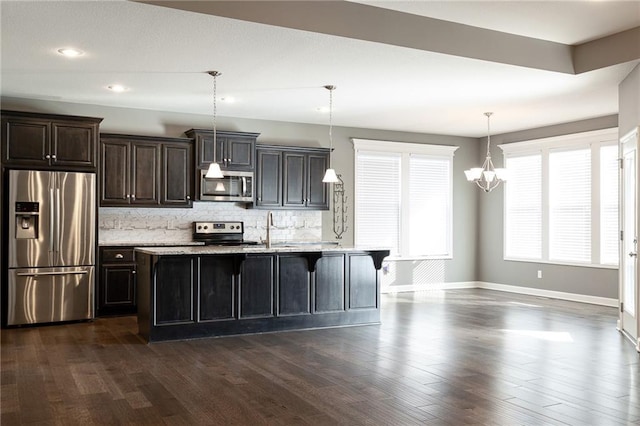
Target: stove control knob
{"type": "Point", "coordinates": [199, 227]}
{"type": "Point", "coordinates": [206, 227]}
{"type": "Point", "coordinates": [233, 227]}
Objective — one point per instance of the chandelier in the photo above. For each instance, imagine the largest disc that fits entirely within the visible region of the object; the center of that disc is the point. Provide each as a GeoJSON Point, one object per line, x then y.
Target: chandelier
{"type": "Point", "coordinates": [487, 177]}
{"type": "Point", "coordinates": [214, 171]}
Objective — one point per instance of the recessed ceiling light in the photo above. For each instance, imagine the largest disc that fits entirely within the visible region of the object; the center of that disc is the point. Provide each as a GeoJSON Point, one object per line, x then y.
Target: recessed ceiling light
{"type": "Point", "coordinates": [70, 52]}
{"type": "Point", "coordinates": [118, 88]}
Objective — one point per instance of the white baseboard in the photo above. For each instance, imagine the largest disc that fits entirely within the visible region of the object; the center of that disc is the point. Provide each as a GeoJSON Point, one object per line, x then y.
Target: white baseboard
{"type": "Point", "coordinates": [583, 298]}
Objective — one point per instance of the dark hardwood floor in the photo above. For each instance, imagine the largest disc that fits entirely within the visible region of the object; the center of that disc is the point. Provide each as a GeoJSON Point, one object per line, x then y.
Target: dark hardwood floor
{"type": "Point", "coordinates": [438, 358]}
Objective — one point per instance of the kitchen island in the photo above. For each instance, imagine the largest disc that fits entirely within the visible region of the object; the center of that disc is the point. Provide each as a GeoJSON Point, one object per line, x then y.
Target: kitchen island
{"type": "Point", "coordinates": [206, 291]}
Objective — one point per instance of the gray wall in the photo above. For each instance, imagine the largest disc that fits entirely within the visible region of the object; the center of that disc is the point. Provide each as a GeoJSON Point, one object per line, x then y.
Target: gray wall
{"type": "Point", "coordinates": [597, 282]}
{"type": "Point", "coordinates": [629, 102]}
{"type": "Point", "coordinates": [463, 266]}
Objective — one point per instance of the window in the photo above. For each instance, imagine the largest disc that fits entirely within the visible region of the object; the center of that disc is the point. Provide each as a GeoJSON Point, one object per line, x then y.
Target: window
{"type": "Point", "coordinates": [403, 197]}
{"type": "Point", "coordinates": [561, 199]}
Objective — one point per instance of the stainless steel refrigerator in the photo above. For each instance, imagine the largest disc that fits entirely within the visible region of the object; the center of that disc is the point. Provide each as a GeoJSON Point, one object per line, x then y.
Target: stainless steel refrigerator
{"type": "Point", "coordinates": [52, 219]}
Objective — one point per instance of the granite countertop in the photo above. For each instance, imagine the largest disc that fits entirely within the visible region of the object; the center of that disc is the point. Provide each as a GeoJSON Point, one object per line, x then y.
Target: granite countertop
{"type": "Point", "coordinates": [149, 244]}
{"type": "Point", "coordinates": [276, 248]}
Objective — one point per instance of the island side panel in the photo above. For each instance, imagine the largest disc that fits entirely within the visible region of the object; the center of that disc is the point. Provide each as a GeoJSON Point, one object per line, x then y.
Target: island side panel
{"type": "Point", "coordinates": [257, 279]}
{"type": "Point", "coordinates": [217, 288]}
{"type": "Point", "coordinates": [294, 286]}
{"type": "Point", "coordinates": [174, 289]}
{"type": "Point", "coordinates": [144, 265]}
{"type": "Point", "coordinates": [330, 283]}
{"type": "Point", "coordinates": [364, 289]}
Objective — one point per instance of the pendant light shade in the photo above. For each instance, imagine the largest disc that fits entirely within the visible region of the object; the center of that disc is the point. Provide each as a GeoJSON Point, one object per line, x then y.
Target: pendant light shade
{"type": "Point", "coordinates": [214, 171]}
{"type": "Point", "coordinates": [330, 175]}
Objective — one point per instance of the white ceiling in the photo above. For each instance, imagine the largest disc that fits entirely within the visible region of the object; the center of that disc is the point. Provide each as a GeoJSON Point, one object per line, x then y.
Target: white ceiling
{"type": "Point", "coordinates": [276, 73]}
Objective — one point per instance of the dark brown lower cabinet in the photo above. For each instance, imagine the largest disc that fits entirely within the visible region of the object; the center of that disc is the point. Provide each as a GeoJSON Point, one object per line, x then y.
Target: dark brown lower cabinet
{"type": "Point", "coordinates": [116, 287]}
{"type": "Point", "coordinates": [188, 296]}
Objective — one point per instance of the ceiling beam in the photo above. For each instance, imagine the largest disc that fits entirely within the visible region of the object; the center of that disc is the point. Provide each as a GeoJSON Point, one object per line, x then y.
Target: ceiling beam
{"type": "Point", "coordinates": [374, 24]}
{"type": "Point", "coordinates": [612, 50]}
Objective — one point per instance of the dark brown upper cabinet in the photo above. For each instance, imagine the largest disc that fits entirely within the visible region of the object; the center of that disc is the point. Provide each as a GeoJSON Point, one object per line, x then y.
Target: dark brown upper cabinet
{"type": "Point", "coordinates": [49, 142]}
{"type": "Point", "coordinates": [291, 178]}
{"type": "Point", "coordinates": [234, 150]}
{"type": "Point", "coordinates": [145, 171]}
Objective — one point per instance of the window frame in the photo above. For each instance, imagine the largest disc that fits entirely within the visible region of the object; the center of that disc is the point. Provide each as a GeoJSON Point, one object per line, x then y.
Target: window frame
{"type": "Point", "coordinates": [593, 140]}
{"type": "Point", "coordinates": [406, 149]}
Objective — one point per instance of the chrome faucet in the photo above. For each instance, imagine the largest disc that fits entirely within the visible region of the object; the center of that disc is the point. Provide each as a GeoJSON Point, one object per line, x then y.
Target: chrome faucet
{"type": "Point", "coordinates": [269, 225]}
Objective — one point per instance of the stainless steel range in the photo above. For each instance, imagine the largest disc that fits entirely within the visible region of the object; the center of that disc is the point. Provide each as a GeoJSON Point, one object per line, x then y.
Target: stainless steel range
{"type": "Point", "coordinates": [220, 233]}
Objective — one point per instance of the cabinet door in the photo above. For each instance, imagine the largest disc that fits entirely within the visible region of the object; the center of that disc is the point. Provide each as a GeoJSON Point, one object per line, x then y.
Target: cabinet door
{"type": "Point", "coordinates": [217, 288]}
{"type": "Point", "coordinates": [145, 181]}
{"type": "Point", "coordinates": [73, 145]}
{"type": "Point", "coordinates": [294, 179]}
{"type": "Point", "coordinates": [294, 286]}
{"type": "Point", "coordinates": [114, 179]}
{"type": "Point", "coordinates": [174, 295]}
{"type": "Point", "coordinates": [204, 145]}
{"type": "Point", "coordinates": [177, 174]}
{"type": "Point", "coordinates": [239, 154]}
{"type": "Point", "coordinates": [317, 191]}
{"type": "Point", "coordinates": [256, 287]}
{"type": "Point", "coordinates": [269, 179]}
{"type": "Point", "coordinates": [117, 289]}
{"type": "Point", "coordinates": [25, 142]}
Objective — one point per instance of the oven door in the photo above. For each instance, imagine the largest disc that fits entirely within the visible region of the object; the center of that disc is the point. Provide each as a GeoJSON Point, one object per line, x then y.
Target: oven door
{"type": "Point", "coordinates": [233, 186]}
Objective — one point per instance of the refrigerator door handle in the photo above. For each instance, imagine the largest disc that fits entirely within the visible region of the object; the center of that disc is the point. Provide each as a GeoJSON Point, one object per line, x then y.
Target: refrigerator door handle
{"type": "Point", "coordinates": [52, 219]}
{"type": "Point", "coordinates": [58, 219]}
{"type": "Point", "coordinates": [38, 274]}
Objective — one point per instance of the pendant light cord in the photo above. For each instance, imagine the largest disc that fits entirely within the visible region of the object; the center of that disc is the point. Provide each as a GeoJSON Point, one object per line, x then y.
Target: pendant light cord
{"type": "Point", "coordinates": [488, 114]}
{"type": "Point", "coordinates": [215, 111]}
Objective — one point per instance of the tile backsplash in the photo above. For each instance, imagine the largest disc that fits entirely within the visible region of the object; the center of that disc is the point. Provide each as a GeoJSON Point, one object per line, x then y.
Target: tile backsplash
{"type": "Point", "coordinates": [174, 225]}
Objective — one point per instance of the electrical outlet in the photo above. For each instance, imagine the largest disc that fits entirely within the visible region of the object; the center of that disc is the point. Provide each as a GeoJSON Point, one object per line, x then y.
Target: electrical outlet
{"type": "Point", "coordinates": [539, 274]}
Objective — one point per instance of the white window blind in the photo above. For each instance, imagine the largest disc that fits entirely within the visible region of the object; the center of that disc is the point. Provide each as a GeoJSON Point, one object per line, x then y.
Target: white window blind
{"type": "Point", "coordinates": [570, 205]}
{"type": "Point", "coordinates": [523, 222]}
{"type": "Point", "coordinates": [429, 205]}
{"type": "Point", "coordinates": [561, 199]}
{"type": "Point", "coordinates": [403, 197]}
{"type": "Point", "coordinates": [609, 228]}
{"type": "Point", "coordinates": [378, 199]}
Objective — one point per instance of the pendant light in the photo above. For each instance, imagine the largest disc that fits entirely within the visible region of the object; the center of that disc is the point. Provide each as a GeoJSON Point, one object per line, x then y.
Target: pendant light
{"type": "Point", "coordinates": [214, 171]}
{"type": "Point", "coordinates": [330, 175]}
{"type": "Point", "coordinates": [487, 177]}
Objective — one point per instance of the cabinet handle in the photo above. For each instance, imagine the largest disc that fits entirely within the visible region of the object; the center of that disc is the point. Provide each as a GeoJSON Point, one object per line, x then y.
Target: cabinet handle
{"type": "Point", "coordinates": [53, 156]}
{"type": "Point", "coordinates": [188, 198]}
{"type": "Point", "coordinates": [133, 197]}
{"type": "Point", "coordinates": [133, 272]}
{"type": "Point", "coordinates": [127, 196]}
{"type": "Point", "coordinates": [119, 256]}
{"type": "Point", "coordinates": [47, 156]}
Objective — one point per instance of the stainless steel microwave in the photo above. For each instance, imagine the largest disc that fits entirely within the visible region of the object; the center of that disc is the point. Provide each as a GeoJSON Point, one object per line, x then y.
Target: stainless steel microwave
{"type": "Point", "coordinates": [233, 186]}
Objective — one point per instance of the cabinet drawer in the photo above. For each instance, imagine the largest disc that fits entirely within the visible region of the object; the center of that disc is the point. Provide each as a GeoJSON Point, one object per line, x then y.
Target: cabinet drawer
{"type": "Point", "coordinates": [117, 255]}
